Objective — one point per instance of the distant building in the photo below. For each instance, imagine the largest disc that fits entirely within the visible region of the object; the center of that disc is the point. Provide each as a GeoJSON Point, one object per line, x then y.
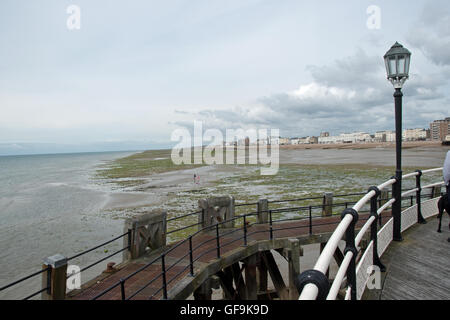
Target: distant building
{"type": "Point", "coordinates": [304, 140]}
{"type": "Point", "coordinates": [355, 137]}
{"type": "Point", "coordinates": [284, 141]}
{"type": "Point", "coordinates": [325, 134]}
{"type": "Point", "coordinates": [414, 134]}
{"type": "Point", "coordinates": [439, 129]}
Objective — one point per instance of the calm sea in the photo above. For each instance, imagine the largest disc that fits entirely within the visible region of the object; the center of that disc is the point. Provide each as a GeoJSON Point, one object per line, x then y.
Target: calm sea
{"type": "Point", "coordinates": [51, 204]}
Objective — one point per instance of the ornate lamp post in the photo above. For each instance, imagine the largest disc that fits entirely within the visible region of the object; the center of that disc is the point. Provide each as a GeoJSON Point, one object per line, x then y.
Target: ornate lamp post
{"type": "Point", "coordinates": [397, 61]}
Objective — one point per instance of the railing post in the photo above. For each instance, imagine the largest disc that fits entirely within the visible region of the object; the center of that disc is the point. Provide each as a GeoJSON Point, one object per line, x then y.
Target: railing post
{"type": "Point", "coordinates": [262, 208]}
{"type": "Point", "coordinates": [217, 241]}
{"type": "Point", "coordinates": [373, 229]}
{"type": "Point", "coordinates": [397, 208]}
{"type": "Point", "coordinates": [201, 219]}
{"type": "Point", "coordinates": [420, 218]}
{"type": "Point", "coordinates": [350, 246]}
{"type": "Point", "coordinates": [310, 220]}
{"type": "Point", "coordinates": [55, 278]}
{"type": "Point", "coordinates": [327, 209]}
{"type": "Point", "coordinates": [122, 289]}
{"type": "Point", "coordinates": [270, 225]}
{"type": "Point", "coordinates": [163, 270]}
{"type": "Point", "coordinates": [191, 258]}
{"type": "Point", "coordinates": [245, 231]}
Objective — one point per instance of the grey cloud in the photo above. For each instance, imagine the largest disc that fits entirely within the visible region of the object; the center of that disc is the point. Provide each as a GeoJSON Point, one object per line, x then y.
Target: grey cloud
{"type": "Point", "coordinates": [431, 33]}
{"type": "Point", "coordinates": [350, 94]}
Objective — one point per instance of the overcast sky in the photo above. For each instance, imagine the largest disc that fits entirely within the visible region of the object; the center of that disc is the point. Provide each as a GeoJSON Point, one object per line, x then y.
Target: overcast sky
{"type": "Point", "coordinates": [137, 70]}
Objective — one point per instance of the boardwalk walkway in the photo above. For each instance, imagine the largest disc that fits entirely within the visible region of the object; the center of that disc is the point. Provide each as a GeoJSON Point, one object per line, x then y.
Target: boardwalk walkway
{"type": "Point", "coordinates": [322, 228]}
{"type": "Point", "coordinates": [418, 268]}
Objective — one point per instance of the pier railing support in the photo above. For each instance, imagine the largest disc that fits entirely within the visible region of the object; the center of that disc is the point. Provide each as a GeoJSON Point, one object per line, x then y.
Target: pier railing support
{"type": "Point", "coordinates": [374, 230]}
{"type": "Point", "coordinates": [397, 207]}
{"type": "Point", "coordinates": [216, 210]}
{"type": "Point", "coordinates": [327, 209]}
{"type": "Point", "coordinates": [350, 246]}
{"type": "Point", "coordinates": [420, 218]}
{"type": "Point", "coordinates": [147, 231]}
{"type": "Point", "coordinates": [263, 213]}
{"type": "Point", "coordinates": [55, 278]}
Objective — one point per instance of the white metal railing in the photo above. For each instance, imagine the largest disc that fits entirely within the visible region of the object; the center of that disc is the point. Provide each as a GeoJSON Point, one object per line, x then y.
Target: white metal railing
{"type": "Point", "coordinates": [310, 289]}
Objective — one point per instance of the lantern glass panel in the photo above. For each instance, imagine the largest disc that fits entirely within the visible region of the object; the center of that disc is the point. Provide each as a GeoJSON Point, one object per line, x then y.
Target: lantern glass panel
{"type": "Point", "coordinates": [401, 65]}
{"type": "Point", "coordinates": [392, 66]}
{"type": "Point", "coordinates": [407, 64]}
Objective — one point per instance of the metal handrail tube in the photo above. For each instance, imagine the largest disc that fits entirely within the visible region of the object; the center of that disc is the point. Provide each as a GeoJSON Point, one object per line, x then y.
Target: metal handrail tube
{"type": "Point", "coordinates": [432, 170]}
{"type": "Point", "coordinates": [176, 275]}
{"type": "Point", "coordinates": [363, 230]}
{"type": "Point", "coordinates": [203, 243]}
{"type": "Point", "coordinates": [433, 185]}
{"type": "Point", "coordinates": [98, 261]}
{"type": "Point", "coordinates": [324, 260]}
{"type": "Point", "coordinates": [24, 278]}
{"type": "Point", "coordinates": [384, 206]}
{"type": "Point", "coordinates": [205, 253]}
{"type": "Point", "coordinates": [387, 184]}
{"type": "Point", "coordinates": [363, 200]}
{"type": "Point", "coordinates": [246, 204]}
{"type": "Point", "coordinates": [184, 228]}
{"type": "Point", "coordinates": [310, 291]}
{"type": "Point", "coordinates": [144, 286]}
{"type": "Point", "coordinates": [96, 247]}
{"type": "Point", "coordinates": [234, 240]}
{"type": "Point", "coordinates": [334, 290]}
{"type": "Point", "coordinates": [36, 293]}
{"type": "Point", "coordinates": [348, 294]}
{"type": "Point", "coordinates": [412, 174]}
{"type": "Point", "coordinates": [409, 191]}
{"type": "Point", "coordinates": [176, 262]}
{"type": "Point", "coordinates": [183, 216]}
{"type": "Point", "coordinates": [299, 199]}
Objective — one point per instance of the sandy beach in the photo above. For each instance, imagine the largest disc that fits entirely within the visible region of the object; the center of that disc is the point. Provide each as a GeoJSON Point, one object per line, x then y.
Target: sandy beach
{"type": "Point", "coordinates": [167, 189]}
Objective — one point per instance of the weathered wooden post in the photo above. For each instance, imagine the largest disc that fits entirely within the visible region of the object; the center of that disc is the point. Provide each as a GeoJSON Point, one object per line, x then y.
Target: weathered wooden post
{"type": "Point", "coordinates": [327, 209]}
{"type": "Point", "coordinates": [54, 278]}
{"type": "Point", "coordinates": [262, 274]}
{"type": "Point", "coordinates": [294, 267]}
{"type": "Point", "coordinates": [147, 231]}
{"type": "Point", "coordinates": [217, 210]}
{"type": "Point", "coordinates": [263, 211]}
{"type": "Point", "coordinates": [250, 277]}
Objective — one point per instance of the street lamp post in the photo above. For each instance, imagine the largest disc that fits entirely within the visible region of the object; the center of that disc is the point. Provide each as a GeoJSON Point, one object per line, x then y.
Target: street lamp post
{"type": "Point", "coordinates": [397, 61]}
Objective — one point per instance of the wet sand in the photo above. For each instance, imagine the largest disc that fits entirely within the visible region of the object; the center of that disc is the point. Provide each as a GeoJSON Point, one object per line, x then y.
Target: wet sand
{"type": "Point", "coordinates": [158, 188]}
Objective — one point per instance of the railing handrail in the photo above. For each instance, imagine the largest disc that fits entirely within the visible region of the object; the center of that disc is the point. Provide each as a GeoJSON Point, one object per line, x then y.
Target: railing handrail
{"type": "Point", "coordinates": [310, 290]}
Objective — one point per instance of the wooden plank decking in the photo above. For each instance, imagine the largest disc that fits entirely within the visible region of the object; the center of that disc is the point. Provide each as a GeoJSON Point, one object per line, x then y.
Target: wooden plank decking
{"type": "Point", "coordinates": [418, 268]}
{"type": "Point", "coordinates": [205, 253]}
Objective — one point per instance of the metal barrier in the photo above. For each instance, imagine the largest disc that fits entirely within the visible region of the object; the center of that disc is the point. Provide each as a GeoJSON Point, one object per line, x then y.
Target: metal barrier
{"type": "Point", "coordinates": [314, 284]}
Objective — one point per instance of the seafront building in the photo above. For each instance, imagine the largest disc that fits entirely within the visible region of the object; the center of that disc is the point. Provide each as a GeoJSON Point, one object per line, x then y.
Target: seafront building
{"type": "Point", "coordinates": [440, 129]}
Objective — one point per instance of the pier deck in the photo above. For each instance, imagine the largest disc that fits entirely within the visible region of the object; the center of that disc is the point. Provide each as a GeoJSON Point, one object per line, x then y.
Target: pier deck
{"type": "Point", "coordinates": [418, 268]}
{"type": "Point", "coordinates": [322, 228]}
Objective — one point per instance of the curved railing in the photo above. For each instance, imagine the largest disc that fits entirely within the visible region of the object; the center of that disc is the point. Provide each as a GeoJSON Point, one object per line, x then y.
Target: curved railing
{"type": "Point", "coordinates": [314, 284]}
